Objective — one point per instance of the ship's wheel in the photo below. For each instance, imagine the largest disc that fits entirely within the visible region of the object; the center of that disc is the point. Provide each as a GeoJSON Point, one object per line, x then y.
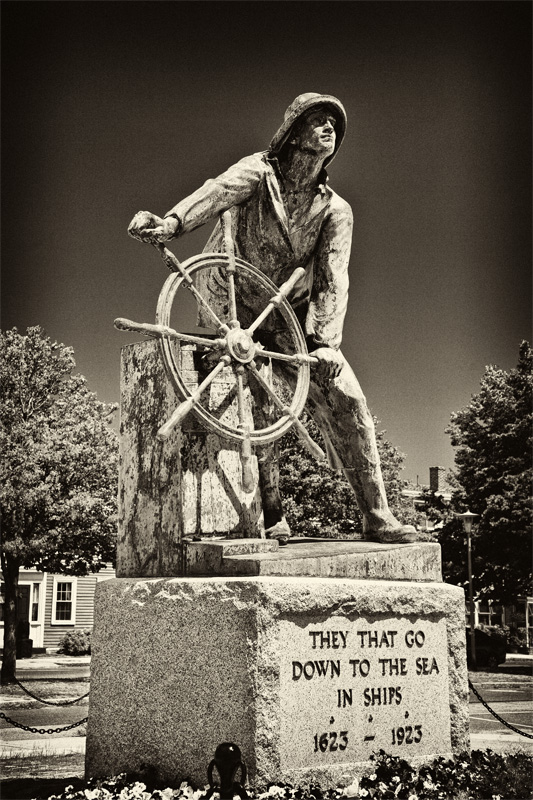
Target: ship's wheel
{"type": "Point", "coordinates": [232, 346]}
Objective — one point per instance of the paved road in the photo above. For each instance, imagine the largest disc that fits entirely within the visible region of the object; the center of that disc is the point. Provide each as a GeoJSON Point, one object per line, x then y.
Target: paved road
{"type": "Point", "coordinates": [511, 697]}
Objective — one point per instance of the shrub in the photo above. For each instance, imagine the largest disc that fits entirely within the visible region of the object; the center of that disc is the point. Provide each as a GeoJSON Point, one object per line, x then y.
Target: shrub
{"type": "Point", "coordinates": [482, 775]}
{"type": "Point", "coordinates": [75, 643]}
{"type": "Point", "coordinates": [517, 641]}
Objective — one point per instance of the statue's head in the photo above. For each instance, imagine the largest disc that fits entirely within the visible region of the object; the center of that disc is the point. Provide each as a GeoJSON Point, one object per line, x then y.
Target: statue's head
{"type": "Point", "coordinates": [299, 111]}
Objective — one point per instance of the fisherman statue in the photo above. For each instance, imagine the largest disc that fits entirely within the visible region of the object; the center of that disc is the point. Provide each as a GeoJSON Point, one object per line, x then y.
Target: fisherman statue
{"type": "Point", "coordinates": [285, 215]}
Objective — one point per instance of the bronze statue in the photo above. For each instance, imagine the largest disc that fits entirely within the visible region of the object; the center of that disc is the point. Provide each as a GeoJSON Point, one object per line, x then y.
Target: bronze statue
{"type": "Point", "coordinates": [284, 216]}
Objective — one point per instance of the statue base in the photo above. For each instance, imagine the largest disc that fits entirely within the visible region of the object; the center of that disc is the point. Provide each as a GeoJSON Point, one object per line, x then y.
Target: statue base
{"type": "Point", "coordinates": [307, 675]}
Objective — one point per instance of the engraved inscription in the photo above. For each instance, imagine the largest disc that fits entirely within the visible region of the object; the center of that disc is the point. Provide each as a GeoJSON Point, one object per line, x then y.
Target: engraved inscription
{"type": "Point", "coordinates": [351, 689]}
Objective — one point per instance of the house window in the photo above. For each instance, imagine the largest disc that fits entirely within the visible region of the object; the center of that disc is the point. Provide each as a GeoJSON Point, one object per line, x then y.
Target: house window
{"type": "Point", "coordinates": [35, 603]}
{"type": "Point", "coordinates": [64, 601]}
{"type": "Point", "coordinates": [489, 614]}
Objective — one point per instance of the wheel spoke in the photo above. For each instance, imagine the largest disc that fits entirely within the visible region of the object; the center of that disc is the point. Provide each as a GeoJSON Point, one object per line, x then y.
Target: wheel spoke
{"type": "Point", "coordinates": [174, 265]}
{"type": "Point", "coordinates": [183, 409]}
{"type": "Point", "coordinates": [246, 447]}
{"type": "Point", "coordinates": [163, 330]}
{"type": "Point", "coordinates": [312, 446]}
{"type": "Point", "coordinates": [229, 247]}
{"type": "Point", "coordinates": [284, 290]}
{"type": "Point", "coordinates": [293, 358]}
{"type": "Point", "coordinates": [240, 395]}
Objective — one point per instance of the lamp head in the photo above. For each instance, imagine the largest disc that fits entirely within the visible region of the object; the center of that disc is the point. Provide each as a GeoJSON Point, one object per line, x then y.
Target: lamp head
{"type": "Point", "coordinates": [467, 517]}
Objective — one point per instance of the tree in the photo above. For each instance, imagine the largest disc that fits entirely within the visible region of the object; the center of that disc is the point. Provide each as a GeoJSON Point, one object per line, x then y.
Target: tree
{"type": "Point", "coordinates": [319, 501]}
{"type": "Point", "coordinates": [494, 472]}
{"type": "Point", "coordinates": [58, 470]}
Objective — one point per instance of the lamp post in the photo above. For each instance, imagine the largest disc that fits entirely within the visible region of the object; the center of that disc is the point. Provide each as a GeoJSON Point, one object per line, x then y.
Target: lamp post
{"type": "Point", "coordinates": [467, 519]}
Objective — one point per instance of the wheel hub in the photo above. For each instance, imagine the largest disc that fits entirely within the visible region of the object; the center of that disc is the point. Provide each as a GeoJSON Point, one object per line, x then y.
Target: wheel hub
{"type": "Point", "coordinates": [240, 345]}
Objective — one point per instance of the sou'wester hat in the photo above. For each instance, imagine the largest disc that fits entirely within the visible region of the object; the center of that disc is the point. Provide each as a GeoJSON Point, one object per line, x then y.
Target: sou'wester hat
{"type": "Point", "coordinates": [302, 105]}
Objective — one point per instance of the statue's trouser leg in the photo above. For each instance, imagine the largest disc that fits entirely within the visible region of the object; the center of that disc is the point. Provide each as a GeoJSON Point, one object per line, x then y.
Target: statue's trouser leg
{"type": "Point", "coordinates": [340, 410]}
{"type": "Point", "coordinates": [267, 455]}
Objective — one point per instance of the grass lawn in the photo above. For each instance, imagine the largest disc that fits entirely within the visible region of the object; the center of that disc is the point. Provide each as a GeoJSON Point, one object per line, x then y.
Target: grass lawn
{"type": "Point", "coordinates": [44, 774]}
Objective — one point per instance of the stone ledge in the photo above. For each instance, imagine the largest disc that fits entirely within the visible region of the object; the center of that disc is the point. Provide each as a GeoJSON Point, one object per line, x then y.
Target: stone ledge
{"type": "Point", "coordinates": [321, 558]}
{"type": "Point", "coordinates": [209, 557]}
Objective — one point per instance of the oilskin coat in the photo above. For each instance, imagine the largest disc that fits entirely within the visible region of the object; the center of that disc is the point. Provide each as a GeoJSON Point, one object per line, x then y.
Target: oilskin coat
{"type": "Point", "coordinates": [317, 237]}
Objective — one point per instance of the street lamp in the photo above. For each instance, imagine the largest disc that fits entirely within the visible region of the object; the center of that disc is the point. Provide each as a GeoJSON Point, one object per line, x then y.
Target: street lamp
{"type": "Point", "coordinates": [468, 519]}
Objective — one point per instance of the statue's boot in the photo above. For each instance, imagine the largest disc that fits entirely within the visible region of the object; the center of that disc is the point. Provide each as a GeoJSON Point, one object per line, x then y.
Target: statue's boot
{"type": "Point", "coordinates": [279, 531]}
{"type": "Point", "coordinates": [379, 523]}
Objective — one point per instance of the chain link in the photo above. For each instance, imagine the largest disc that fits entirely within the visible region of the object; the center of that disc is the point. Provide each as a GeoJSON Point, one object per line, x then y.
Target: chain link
{"type": "Point", "coordinates": [42, 730]}
{"type": "Point", "coordinates": [494, 714]}
{"type": "Point", "coordinates": [51, 702]}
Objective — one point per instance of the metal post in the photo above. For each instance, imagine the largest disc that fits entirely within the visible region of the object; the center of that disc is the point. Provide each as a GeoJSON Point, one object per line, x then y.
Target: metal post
{"type": "Point", "coordinates": [467, 519]}
{"type": "Point", "coordinates": [471, 601]}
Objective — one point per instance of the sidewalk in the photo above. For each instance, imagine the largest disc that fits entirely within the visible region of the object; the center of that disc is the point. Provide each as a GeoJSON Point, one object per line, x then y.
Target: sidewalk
{"type": "Point", "coordinates": [59, 746]}
{"type": "Point", "coordinates": [51, 661]}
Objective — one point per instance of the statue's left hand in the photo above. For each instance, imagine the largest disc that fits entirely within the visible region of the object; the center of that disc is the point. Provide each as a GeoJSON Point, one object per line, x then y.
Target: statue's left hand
{"type": "Point", "coordinates": [330, 362]}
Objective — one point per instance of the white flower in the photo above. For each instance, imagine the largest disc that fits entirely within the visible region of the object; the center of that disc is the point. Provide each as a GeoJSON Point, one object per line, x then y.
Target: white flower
{"type": "Point", "coordinates": [351, 790]}
{"type": "Point", "coordinates": [395, 779]}
{"type": "Point", "coordinates": [91, 794]}
{"type": "Point", "coordinates": [275, 791]}
{"type": "Point", "coordinates": [363, 793]}
{"type": "Point", "coordinates": [372, 777]}
{"type": "Point", "coordinates": [186, 792]}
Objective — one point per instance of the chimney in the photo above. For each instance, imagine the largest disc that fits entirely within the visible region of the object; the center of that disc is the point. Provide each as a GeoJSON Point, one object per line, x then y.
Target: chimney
{"type": "Point", "coordinates": [437, 478]}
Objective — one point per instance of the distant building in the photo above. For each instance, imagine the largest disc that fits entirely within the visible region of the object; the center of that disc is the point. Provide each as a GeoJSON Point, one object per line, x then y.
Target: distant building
{"type": "Point", "coordinates": [438, 485]}
{"type": "Point", "coordinates": [53, 605]}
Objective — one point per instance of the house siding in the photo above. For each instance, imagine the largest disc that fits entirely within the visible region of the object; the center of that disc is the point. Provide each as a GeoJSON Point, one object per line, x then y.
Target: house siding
{"type": "Point", "coordinates": [84, 605]}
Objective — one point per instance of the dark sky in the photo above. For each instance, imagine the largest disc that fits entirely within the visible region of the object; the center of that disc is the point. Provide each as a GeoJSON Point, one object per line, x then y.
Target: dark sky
{"type": "Point", "coordinates": [113, 107]}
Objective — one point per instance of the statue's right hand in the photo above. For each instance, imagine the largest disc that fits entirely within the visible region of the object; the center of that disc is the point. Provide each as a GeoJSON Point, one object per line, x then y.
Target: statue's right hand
{"type": "Point", "coordinates": [149, 227]}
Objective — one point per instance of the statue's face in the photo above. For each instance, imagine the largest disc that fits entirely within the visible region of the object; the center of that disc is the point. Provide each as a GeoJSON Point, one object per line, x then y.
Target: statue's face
{"type": "Point", "coordinates": [317, 133]}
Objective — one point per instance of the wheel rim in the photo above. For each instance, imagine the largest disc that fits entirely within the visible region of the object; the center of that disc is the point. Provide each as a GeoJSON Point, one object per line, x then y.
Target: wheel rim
{"type": "Point", "coordinates": [194, 266]}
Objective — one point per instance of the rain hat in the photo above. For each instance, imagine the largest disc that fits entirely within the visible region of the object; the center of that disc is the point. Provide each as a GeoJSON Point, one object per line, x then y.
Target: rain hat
{"type": "Point", "coordinates": [302, 105]}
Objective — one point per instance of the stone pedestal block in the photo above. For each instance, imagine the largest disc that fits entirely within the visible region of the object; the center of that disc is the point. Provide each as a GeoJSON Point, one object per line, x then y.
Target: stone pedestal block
{"type": "Point", "coordinates": [308, 676]}
{"type": "Point", "coordinates": [315, 558]}
{"type": "Point", "coordinates": [190, 484]}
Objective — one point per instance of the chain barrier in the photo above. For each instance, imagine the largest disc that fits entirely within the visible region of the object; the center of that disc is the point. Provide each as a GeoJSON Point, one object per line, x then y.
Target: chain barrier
{"type": "Point", "coordinates": [494, 714]}
{"type": "Point", "coordinates": [84, 720]}
{"type": "Point", "coordinates": [42, 730]}
{"type": "Point", "coordinates": [51, 702]}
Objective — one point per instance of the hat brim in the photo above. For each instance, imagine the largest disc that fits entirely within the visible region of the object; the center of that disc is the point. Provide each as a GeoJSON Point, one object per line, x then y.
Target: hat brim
{"type": "Point", "coordinates": [282, 134]}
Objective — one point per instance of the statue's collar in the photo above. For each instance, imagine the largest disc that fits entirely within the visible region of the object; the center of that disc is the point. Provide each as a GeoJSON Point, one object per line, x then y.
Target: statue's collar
{"type": "Point", "coordinates": [323, 178]}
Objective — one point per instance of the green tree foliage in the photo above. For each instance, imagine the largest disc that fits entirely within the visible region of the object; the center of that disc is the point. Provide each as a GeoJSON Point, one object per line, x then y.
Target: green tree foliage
{"type": "Point", "coordinates": [319, 501]}
{"type": "Point", "coordinates": [58, 470]}
{"type": "Point", "coordinates": [493, 437]}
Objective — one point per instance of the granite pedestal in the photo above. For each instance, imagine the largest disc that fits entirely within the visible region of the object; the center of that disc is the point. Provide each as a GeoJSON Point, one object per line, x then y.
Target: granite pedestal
{"type": "Point", "coordinates": [308, 675]}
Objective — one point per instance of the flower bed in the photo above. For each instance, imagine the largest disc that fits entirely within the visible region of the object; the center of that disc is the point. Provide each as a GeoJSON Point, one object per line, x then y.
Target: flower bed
{"type": "Point", "coordinates": [482, 775]}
